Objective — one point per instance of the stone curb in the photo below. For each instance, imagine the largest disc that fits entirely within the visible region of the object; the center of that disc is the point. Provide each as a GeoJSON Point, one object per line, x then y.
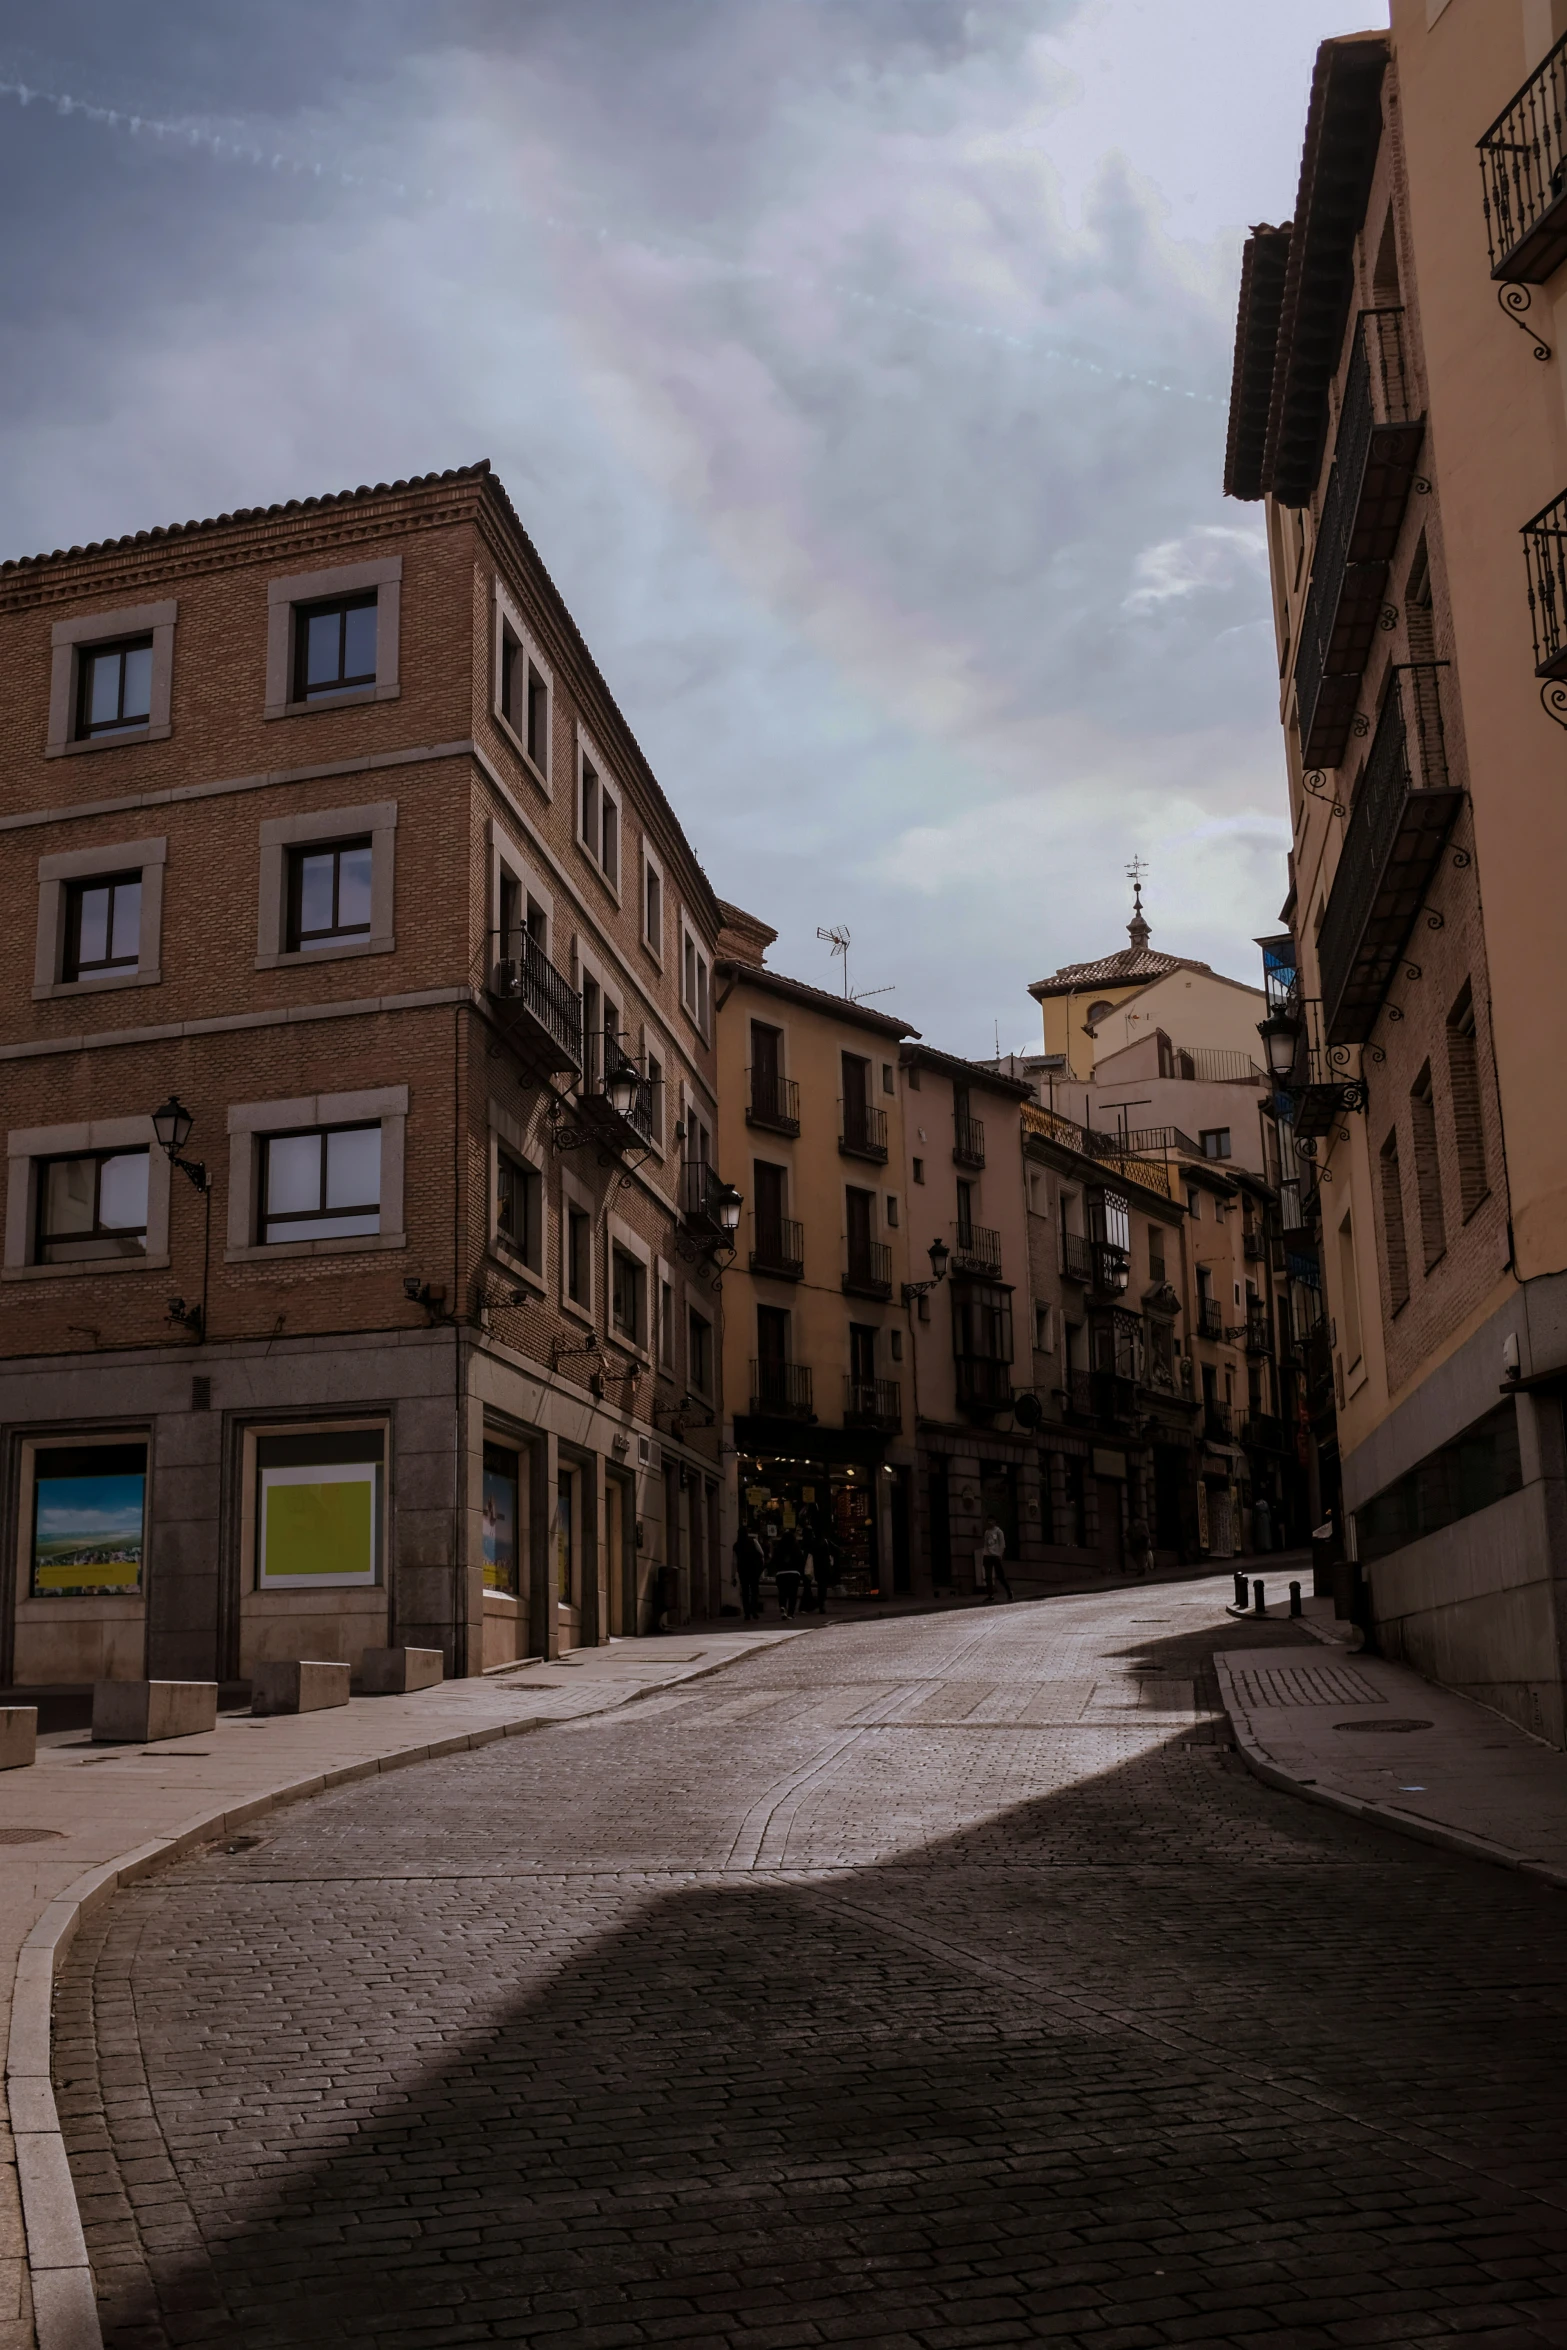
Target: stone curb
{"type": "Point", "coordinates": [1383, 1815]}
{"type": "Point", "coordinates": [65, 2310]}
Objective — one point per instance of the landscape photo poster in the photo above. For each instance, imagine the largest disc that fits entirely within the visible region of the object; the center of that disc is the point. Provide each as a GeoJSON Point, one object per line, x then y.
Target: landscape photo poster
{"type": "Point", "coordinates": [89, 1521]}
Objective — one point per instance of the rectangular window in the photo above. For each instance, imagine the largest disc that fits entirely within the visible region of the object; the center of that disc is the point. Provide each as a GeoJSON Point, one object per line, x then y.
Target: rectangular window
{"type": "Point", "coordinates": [524, 697]}
{"type": "Point", "coordinates": [579, 1268]}
{"type": "Point", "coordinates": [1156, 1252]}
{"type": "Point", "coordinates": [514, 680]}
{"type": "Point", "coordinates": [628, 1297]}
{"type": "Point", "coordinates": [328, 894]}
{"type": "Point", "coordinates": [89, 1520]}
{"type": "Point", "coordinates": [1463, 1077]}
{"type": "Point", "coordinates": [519, 1210]}
{"type": "Point", "coordinates": [102, 925]}
{"type": "Point", "coordinates": [1042, 1331]}
{"type": "Point", "coordinates": [666, 1324]}
{"type": "Point", "coordinates": [919, 1170]}
{"type": "Point", "coordinates": [892, 1212]}
{"type": "Point", "coordinates": [609, 854]}
{"type": "Point", "coordinates": [334, 647]}
{"type": "Point", "coordinates": [502, 1545]}
{"type": "Point", "coordinates": [1428, 1170]}
{"type": "Point", "coordinates": [1349, 1291]}
{"type": "Point", "coordinates": [655, 1098]}
{"type": "Point", "coordinates": [537, 737]}
{"type": "Point", "coordinates": [319, 1509]}
{"type": "Point", "coordinates": [895, 1342]}
{"type": "Point", "coordinates": [693, 980]}
{"type": "Point", "coordinates": [588, 822]}
{"type": "Point", "coordinates": [699, 1353]}
{"type": "Point", "coordinates": [324, 1184]}
{"type": "Point", "coordinates": [1215, 1142]}
{"type": "Point", "coordinates": [1393, 1224]}
{"type": "Point", "coordinates": [888, 1081]}
{"type": "Point", "coordinates": [114, 688]}
{"type": "Point", "coordinates": [652, 908]}
{"type": "Point", "coordinates": [92, 1206]}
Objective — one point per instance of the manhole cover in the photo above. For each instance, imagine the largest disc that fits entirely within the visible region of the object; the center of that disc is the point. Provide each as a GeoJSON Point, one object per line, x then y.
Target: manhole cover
{"type": "Point", "coordinates": [1395, 1725]}
{"type": "Point", "coordinates": [29, 1835]}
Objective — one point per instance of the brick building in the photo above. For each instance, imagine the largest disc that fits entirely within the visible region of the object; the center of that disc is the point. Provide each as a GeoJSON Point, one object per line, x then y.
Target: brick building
{"type": "Point", "coordinates": [323, 828]}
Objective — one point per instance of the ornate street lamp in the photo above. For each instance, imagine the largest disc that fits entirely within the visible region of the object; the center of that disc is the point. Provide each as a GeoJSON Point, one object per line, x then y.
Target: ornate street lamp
{"type": "Point", "coordinates": [1280, 1034]}
{"type": "Point", "coordinates": [728, 1202]}
{"type": "Point", "coordinates": [172, 1125]}
{"type": "Point", "coordinates": [940, 1256]}
{"type": "Point", "coordinates": [621, 1087]}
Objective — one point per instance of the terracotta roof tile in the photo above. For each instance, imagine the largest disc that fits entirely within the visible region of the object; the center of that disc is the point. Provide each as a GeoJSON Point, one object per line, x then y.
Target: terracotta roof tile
{"type": "Point", "coordinates": [1130, 967]}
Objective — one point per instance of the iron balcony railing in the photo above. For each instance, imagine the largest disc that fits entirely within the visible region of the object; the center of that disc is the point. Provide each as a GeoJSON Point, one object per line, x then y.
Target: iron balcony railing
{"type": "Point", "coordinates": [968, 1147]}
{"type": "Point", "coordinates": [1403, 810]}
{"type": "Point", "coordinates": [869, 1271]}
{"type": "Point", "coordinates": [976, 1249]}
{"type": "Point", "coordinates": [1105, 1396]}
{"type": "Point", "coordinates": [1523, 168]}
{"type": "Point", "coordinates": [1260, 1433]}
{"type": "Point", "coordinates": [1215, 1421]}
{"type": "Point", "coordinates": [526, 977]}
{"type": "Point", "coordinates": [1259, 1330]}
{"type": "Point", "coordinates": [1545, 552]}
{"type": "Point", "coordinates": [1210, 1318]}
{"type": "Point", "coordinates": [781, 1390]}
{"type": "Point", "coordinates": [1077, 1256]}
{"type": "Point", "coordinates": [701, 1190]}
{"type": "Point", "coordinates": [774, 1102]}
{"type": "Point", "coordinates": [778, 1247]}
{"type": "Point", "coordinates": [872, 1403]}
{"type": "Point", "coordinates": [983, 1385]}
{"type": "Point", "coordinates": [1379, 438]}
{"type": "Point", "coordinates": [862, 1131]}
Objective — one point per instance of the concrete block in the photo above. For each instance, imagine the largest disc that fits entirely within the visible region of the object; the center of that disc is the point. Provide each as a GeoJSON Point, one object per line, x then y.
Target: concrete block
{"type": "Point", "coordinates": [392, 1672]}
{"type": "Point", "coordinates": [298, 1685]}
{"type": "Point", "coordinates": [145, 1711]}
{"type": "Point", "coordinates": [18, 1736]}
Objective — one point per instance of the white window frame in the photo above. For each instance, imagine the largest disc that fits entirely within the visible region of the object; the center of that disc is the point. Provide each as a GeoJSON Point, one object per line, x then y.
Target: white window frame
{"type": "Point", "coordinates": [574, 1195]}
{"type": "Point", "coordinates": [55, 875]}
{"type": "Point", "coordinates": [279, 834]}
{"type": "Point", "coordinates": [608, 794]}
{"type": "Point", "coordinates": [284, 596]}
{"type": "Point", "coordinates": [69, 639]}
{"type": "Point", "coordinates": [650, 866]}
{"type": "Point", "coordinates": [507, 617]}
{"type": "Point", "coordinates": [632, 1244]}
{"type": "Point", "coordinates": [506, 1133]}
{"type": "Point", "coordinates": [27, 1146]}
{"type": "Point", "coordinates": [250, 1122]}
{"type": "Point", "coordinates": [695, 1000]}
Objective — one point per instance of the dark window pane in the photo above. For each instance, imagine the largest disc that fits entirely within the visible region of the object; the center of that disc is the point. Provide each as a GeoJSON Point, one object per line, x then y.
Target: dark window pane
{"type": "Point", "coordinates": [93, 933]}
{"type": "Point", "coordinates": [103, 697]}
{"type": "Point", "coordinates": [315, 892]}
{"type": "Point", "coordinates": [125, 930]}
{"type": "Point", "coordinates": [136, 702]}
{"type": "Point", "coordinates": [353, 888]}
{"type": "Point", "coordinates": [359, 643]}
{"type": "Point", "coordinates": [323, 636]}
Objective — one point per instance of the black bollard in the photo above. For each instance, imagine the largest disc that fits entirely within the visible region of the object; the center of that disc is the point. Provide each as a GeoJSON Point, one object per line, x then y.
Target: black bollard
{"type": "Point", "coordinates": [1294, 1599]}
{"type": "Point", "coordinates": [1258, 1600]}
{"type": "Point", "coordinates": [1240, 1588]}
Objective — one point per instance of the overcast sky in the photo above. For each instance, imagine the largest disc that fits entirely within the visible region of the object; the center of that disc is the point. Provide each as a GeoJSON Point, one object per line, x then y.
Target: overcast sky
{"type": "Point", "coordinates": [859, 368]}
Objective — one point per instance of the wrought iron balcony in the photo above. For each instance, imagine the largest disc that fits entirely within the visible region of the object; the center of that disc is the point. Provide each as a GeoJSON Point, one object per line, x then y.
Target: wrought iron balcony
{"type": "Point", "coordinates": [870, 1270]}
{"type": "Point", "coordinates": [781, 1391]}
{"type": "Point", "coordinates": [1260, 1433]}
{"type": "Point", "coordinates": [1403, 811]}
{"type": "Point", "coordinates": [1105, 1398]}
{"type": "Point", "coordinates": [872, 1403]}
{"type": "Point", "coordinates": [983, 1385]}
{"type": "Point", "coordinates": [976, 1249]}
{"type": "Point", "coordinates": [1523, 165]}
{"type": "Point", "coordinates": [1259, 1330]}
{"type": "Point", "coordinates": [1210, 1318]}
{"type": "Point", "coordinates": [773, 1102]}
{"type": "Point", "coordinates": [863, 1132]}
{"type": "Point", "coordinates": [1254, 1247]}
{"type": "Point", "coordinates": [778, 1248]}
{"type": "Point", "coordinates": [1545, 551]}
{"type": "Point", "coordinates": [968, 1148]}
{"type": "Point", "coordinates": [543, 1011]}
{"type": "Point", "coordinates": [1077, 1256]}
{"type": "Point", "coordinates": [1215, 1421]}
{"type": "Point", "coordinates": [1379, 439]}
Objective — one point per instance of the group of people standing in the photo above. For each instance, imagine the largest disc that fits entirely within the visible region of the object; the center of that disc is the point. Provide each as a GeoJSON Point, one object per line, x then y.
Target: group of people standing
{"type": "Point", "coordinates": [801, 1560]}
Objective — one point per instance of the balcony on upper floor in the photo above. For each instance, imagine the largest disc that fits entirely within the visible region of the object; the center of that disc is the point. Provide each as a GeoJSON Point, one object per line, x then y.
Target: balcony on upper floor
{"type": "Point", "coordinates": [1523, 167]}
{"type": "Point", "coordinates": [968, 1141]}
{"type": "Point", "coordinates": [1403, 810]}
{"type": "Point", "coordinates": [976, 1249]}
{"type": "Point", "coordinates": [862, 1132]}
{"type": "Point", "coordinates": [538, 1009]}
{"type": "Point", "coordinates": [781, 1391]}
{"type": "Point", "coordinates": [868, 1271]}
{"type": "Point", "coordinates": [1545, 552]}
{"type": "Point", "coordinates": [778, 1248]}
{"type": "Point", "coordinates": [1210, 1318]}
{"type": "Point", "coordinates": [982, 1384]}
{"type": "Point", "coordinates": [1077, 1256]}
{"type": "Point", "coordinates": [1379, 437]}
{"type": "Point", "coordinates": [872, 1403]}
{"type": "Point", "coordinates": [772, 1101]}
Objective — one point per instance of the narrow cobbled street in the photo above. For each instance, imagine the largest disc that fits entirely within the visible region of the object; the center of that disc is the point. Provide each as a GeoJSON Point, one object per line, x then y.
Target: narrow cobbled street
{"type": "Point", "coordinates": [939, 1981]}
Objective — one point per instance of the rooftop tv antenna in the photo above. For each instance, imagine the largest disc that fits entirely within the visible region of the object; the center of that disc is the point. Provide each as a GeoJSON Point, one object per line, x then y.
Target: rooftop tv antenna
{"type": "Point", "coordinates": [838, 938]}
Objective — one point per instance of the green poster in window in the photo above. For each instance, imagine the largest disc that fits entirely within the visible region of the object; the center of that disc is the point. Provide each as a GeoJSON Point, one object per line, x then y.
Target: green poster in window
{"type": "Point", "coordinates": [318, 1524]}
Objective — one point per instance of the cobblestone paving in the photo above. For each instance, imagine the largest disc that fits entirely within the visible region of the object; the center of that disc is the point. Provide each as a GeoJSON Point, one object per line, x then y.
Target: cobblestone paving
{"type": "Point", "coordinates": [931, 1983]}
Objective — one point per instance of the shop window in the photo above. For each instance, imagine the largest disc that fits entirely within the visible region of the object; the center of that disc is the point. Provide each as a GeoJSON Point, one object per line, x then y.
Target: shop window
{"type": "Point", "coordinates": [319, 1509]}
{"type": "Point", "coordinates": [89, 1513]}
{"type": "Point", "coordinates": [502, 1538]}
{"type": "Point", "coordinates": [568, 1535]}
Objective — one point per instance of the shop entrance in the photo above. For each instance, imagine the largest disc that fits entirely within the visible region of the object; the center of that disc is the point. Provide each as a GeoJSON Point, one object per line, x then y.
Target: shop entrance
{"type": "Point", "coordinates": [780, 1490]}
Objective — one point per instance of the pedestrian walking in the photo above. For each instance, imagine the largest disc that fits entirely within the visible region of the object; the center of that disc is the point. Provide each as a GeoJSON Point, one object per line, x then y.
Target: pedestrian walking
{"type": "Point", "coordinates": [788, 1572]}
{"type": "Point", "coordinates": [993, 1551]}
{"type": "Point", "coordinates": [1261, 1524]}
{"type": "Point", "coordinates": [750, 1560]}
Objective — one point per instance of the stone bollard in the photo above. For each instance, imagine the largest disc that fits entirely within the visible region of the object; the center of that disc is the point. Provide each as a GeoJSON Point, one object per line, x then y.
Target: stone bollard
{"type": "Point", "coordinates": [1295, 1608]}
{"type": "Point", "coordinates": [18, 1736]}
{"type": "Point", "coordinates": [297, 1685]}
{"type": "Point", "coordinates": [1259, 1599]}
{"type": "Point", "coordinates": [1240, 1588]}
{"type": "Point", "coordinates": [142, 1712]}
{"type": "Point", "coordinates": [393, 1672]}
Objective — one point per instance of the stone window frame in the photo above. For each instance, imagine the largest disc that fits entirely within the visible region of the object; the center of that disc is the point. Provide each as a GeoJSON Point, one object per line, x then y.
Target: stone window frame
{"type": "Point", "coordinates": [696, 1003]}
{"type": "Point", "coordinates": [250, 1122]}
{"type": "Point", "coordinates": [27, 1146]}
{"type": "Point", "coordinates": [631, 1243]}
{"type": "Point", "coordinates": [649, 863]}
{"type": "Point", "coordinates": [653, 1046]}
{"type": "Point", "coordinates": [284, 596]}
{"type": "Point", "coordinates": [509, 858]}
{"type": "Point", "coordinates": [279, 834]}
{"type": "Point", "coordinates": [506, 1131]}
{"type": "Point", "coordinates": [69, 638]}
{"type": "Point", "coordinates": [508, 616]}
{"type": "Point", "coordinates": [576, 1195]}
{"type": "Point", "coordinates": [55, 873]}
{"type": "Point", "coordinates": [104, 1607]}
{"type": "Point", "coordinates": [587, 754]}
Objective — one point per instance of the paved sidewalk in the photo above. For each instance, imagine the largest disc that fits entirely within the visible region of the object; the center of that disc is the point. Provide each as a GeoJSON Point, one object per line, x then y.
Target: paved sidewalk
{"type": "Point", "coordinates": [1376, 1740]}
{"type": "Point", "coordinates": [66, 1841]}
